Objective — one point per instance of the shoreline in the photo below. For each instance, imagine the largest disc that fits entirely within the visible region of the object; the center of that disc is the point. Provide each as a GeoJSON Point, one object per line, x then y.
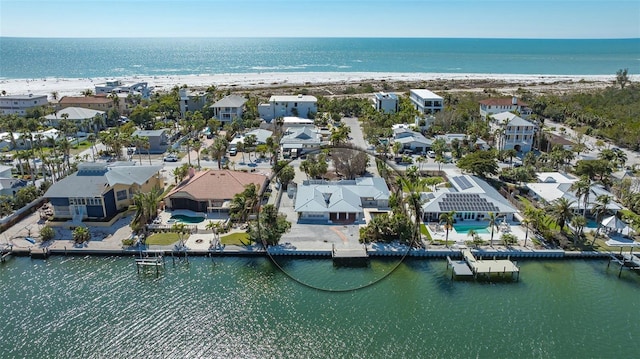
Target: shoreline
{"type": "Point", "coordinates": [74, 86]}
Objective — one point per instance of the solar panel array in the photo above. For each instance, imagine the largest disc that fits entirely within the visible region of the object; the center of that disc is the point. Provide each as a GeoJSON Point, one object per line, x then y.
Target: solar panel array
{"type": "Point", "coordinates": [462, 182]}
{"type": "Point", "coordinates": [466, 202]}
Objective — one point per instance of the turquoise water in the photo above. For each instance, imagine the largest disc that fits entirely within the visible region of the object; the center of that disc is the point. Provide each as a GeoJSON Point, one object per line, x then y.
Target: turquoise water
{"type": "Point", "coordinates": [464, 228]}
{"type": "Point", "coordinates": [81, 58]}
{"type": "Point", "coordinates": [247, 308]}
{"type": "Point", "coordinates": [187, 219]}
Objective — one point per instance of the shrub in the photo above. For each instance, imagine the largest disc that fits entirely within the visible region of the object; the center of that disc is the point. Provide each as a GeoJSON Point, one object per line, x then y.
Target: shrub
{"type": "Point", "coordinates": [47, 233]}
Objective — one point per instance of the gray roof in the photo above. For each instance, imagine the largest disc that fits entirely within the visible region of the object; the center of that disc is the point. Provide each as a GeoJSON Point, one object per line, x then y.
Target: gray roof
{"type": "Point", "coordinates": [22, 97]}
{"type": "Point", "coordinates": [512, 119]}
{"type": "Point", "coordinates": [468, 194]}
{"type": "Point", "coordinates": [92, 180]}
{"type": "Point", "coordinates": [148, 133]}
{"type": "Point", "coordinates": [340, 196]}
{"type": "Point", "coordinates": [261, 134]}
{"type": "Point", "coordinates": [230, 101]}
{"type": "Point", "coordinates": [75, 113]}
{"type": "Point", "coordinates": [301, 135]}
{"type": "Point", "coordinates": [6, 183]}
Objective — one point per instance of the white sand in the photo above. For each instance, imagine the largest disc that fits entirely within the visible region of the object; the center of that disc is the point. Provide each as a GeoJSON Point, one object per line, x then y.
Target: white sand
{"type": "Point", "coordinates": [74, 86]}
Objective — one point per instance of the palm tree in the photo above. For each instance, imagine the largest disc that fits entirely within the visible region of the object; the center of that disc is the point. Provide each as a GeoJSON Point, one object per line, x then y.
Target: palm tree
{"type": "Point", "coordinates": [215, 228]}
{"type": "Point", "coordinates": [600, 209]}
{"type": "Point", "coordinates": [582, 188]}
{"type": "Point", "coordinates": [218, 149]}
{"type": "Point", "coordinates": [181, 229]}
{"type": "Point", "coordinates": [526, 222]}
{"type": "Point", "coordinates": [81, 234]}
{"type": "Point", "coordinates": [493, 223]}
{"type": "Point", "coordinates": [578, 222]}
{"type": "Point", "coordinates": [447, 219]}
{"type": "Point", "coordinates": [197, 145]}
{"type": "Point", "coordinates": [561, 212]}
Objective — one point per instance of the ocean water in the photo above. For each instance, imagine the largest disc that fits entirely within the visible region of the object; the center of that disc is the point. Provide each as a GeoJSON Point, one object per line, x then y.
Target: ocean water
{"type": "Point", "coordinates": [83, 58]}
{"type": "Point", "coordinates": [237, 307]}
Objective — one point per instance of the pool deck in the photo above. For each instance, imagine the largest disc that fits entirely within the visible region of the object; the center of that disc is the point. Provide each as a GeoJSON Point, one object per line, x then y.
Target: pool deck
{"type": "Point", "coordinates": [437, 232]}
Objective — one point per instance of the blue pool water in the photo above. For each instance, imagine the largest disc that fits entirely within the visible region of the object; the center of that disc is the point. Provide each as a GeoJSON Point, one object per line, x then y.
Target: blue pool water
{"type": "Point", "coordinates": [465, 228]}
{"type": "Point", "coordinates": [186, 219]}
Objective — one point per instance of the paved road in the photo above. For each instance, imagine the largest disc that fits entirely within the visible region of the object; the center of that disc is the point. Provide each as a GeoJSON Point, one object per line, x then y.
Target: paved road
{"type": "Point", "coordinates": [357, 138]}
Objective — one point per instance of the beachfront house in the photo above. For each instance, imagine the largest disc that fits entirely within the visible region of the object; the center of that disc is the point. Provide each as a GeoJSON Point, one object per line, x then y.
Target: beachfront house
{"type": "Point", "coordinates": [516, 132]}
{"type": "Point", "coordinates": [158, 140]}
{"type": "Point", "coordinates": [212, 190]}
{"type": "Point", "coordinates": [385, 102]}
{"type": "Point", "coordinates": [495, 105]}
{"type": "Point", "coordinates": [84, 119]}
{"type": "Point", "coordinates": [426, 102]}
{"type": "Point", "coordinates": [116, 86]}
{"type": "Point", "coordinates": [551, 186]}
{"type": "Point", "coordinates": [411, 140]}
{"type": "Point", "coordinates": [229, 108]}
{"type": "Point", "coordinates": [343, 202]}
{"type": "Point", "coordinates": [190, 101]}
{"type": "Point", "coordinates": [298, 140]}
{"type": "Point", "coordinates": [304, 106]}
{"type": "Point", "coordinates": [100, 191]}
{"type": "Point", "coordinates": [470, 197]}
{"type": "Point", "coordinates": [20, 104]}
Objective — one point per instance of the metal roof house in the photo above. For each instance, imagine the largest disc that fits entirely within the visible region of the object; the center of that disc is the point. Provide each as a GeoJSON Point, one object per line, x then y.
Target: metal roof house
{"type": "Point", "coordinates": [303, 106]}
{"type": "Point", "coordinates": [158, 140]}
{"type": "Point", "coordinates": [319, 201]}
{"type": "Point", "coordinates": [229, 108]}
{"type": "Point", "coordinates": [517, 133]}
{"type": "Point", "coordinates": [411, 140]}
{"type": "Point", "coordinates": [100, 191]}
{"type": "Point", "coordinates": [470, 197]}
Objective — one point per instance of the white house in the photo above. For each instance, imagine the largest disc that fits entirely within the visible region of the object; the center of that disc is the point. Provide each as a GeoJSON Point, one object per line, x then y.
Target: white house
{"type": "Point", "coordinates": [344, 202]}
{"type": "Point", "coordinates": [261, 136]}
{"type": "Point", "coordinates": [229, 108]}
{"type": "Point", "coordinates": [492, 106]}
{"type": "Point", "coordinates": [425, 101]}
{"type": "Point", "coordinates": [117, 86]}
{"type": "Point", "coordinates": [462, 138]}
{"type": "Point", "coordinates": [385, 102]}
{"type": "Point", "coordinates": [517, 133]}
{"type": "Point", "coordinates": [303, 106]}
{"type": "Point", "coordinates": [298, 140]}
{"type": "Point", "coordinates": [471, 198]}
{"type": "Point", "coordinates": [19, 104]}
{"type": "Point", "coordinates": [411, 140]}
{"type": "Point", "coordinates": [83, 118]}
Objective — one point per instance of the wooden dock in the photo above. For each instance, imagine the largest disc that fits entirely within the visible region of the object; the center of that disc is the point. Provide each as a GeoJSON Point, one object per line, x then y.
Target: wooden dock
{"type": "Point", "coordinates": [350, 256]}
{"type": "Point", "coordinates": [626, 261]}
{"type": "Point", "coordinates": [459, 268]}
{"type": "Point", "coordinates": [491, 267]}
{"type": "Point", "coordinates": [156, 261]}
{"type": "Point", "coordinates": [5, 253]}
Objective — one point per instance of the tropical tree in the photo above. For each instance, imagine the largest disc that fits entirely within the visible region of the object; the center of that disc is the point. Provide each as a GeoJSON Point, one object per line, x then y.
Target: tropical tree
{"type": "Point", "coordinates": [215, 227]}
{"type": "Point", "coordinates": [493, 223]}
{"type": "Point", "coordinates": [218, 149]}
{"type": "Point", "coordinates": [582, 188]}
{"type": "Point", "coordinates": [509, 239]}
{"type": "Point", "coordinates": [146, 206]}
{"type": "Point", "coordinates": [47, 233]}
{"type": "Point", "coordinates": [81, 234]}
{"type": "Point", "coordinates": [561, 212]}
{"type": "Point", "coordinates": [182, 230]}
{"type": "Point", "coordinates": [600, 209]}
{"type": "Point", "coordinates": [578, 223]}
{"type": "Point", "coordinates": [269, 227]}
{"type": "Point", "coordinates": [286, 175]}
{"type": "Point", "coordinates": [447, 220]}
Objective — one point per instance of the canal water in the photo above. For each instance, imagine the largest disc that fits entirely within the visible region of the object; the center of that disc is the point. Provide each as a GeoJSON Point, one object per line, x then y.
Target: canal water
{"type": "Point", "coordinates": [240, 307]}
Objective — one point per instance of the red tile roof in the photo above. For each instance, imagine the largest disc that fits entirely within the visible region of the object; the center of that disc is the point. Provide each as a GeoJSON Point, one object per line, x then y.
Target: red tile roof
{"type": "Point", "coordinates": [501, 102]}
{"type": "Point", "coordinates": [218, 184]}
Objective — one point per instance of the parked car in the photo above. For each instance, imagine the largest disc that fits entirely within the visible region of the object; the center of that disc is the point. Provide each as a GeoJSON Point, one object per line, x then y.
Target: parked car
{"type": "Point", "coordinates": [431, 154]}
{"type": "Point", "coordinates": [233, 152]}
{"type": "Point", "coordinates": [170, 158]}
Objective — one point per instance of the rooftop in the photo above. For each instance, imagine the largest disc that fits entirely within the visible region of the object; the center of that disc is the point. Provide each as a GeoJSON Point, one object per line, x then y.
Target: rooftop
{"type": "Point", "coordinates": [217, 184]}
{"type": "Point", "coordinates": [293, 98]}
{"type": "Point", "coordinates": [230, 101]}
{"type": "Point", "coordinates": [426, 94]}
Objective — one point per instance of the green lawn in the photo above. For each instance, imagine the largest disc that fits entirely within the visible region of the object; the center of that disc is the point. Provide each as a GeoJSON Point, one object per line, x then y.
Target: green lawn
{"type": "Point", "coordinates": [163, 239]}
{"type": "Point", "coordinates": [239, 239]}
{"type": "Point", "coordinates": [425, 231]}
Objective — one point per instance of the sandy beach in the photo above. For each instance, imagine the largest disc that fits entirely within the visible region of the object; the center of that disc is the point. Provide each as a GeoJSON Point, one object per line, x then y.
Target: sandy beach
{"type": "Point", "coordinates": [74, 86]}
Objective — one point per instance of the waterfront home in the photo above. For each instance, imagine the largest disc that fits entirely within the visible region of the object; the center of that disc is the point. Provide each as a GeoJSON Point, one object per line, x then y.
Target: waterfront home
{"type": "Point", "coordinates": [298, 140]}
{"type": "Point", "coordinates": [385, 102]}
{"type": "Point", "coordinates": [304, 106]}
{"type": "Point", "coordinates": [85, 119]}
{"type": "Point", "coordinates": [229, 108]}
{"type": "Point", "coordinates": [495, 105]}
{"type": "Point", "coordinates": [20, 104]}
{"type": "Point", "coordinates": [99, 191]}
{"type": "Point", "coordinates": [158, 140]}
{"type": "Point", "coordinates": [344, 202]}
{"type": "Point", "coordinates": [411, 140]}
{"type": "Point", "coordinates": [470, 197]}
{"type": "Point", "coordinates": [117, 86]}
{"type": "Point", "coordinates": [516, 132]}
{"type": "Point", "coordinates": [191, 101]}
{"type": "Point", "coordinates": [211, 190]}
{"type": "Point", "coordinates": [425, 101]}
{"type": "Point", "coordinates": [555, 185]}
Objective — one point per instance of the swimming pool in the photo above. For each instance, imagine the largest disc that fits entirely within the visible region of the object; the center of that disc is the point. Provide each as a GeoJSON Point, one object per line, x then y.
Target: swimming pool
{"type": "Point", "coordinates": [185, 219]}
{"type": "Point", "coordinates": [465, 228]}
